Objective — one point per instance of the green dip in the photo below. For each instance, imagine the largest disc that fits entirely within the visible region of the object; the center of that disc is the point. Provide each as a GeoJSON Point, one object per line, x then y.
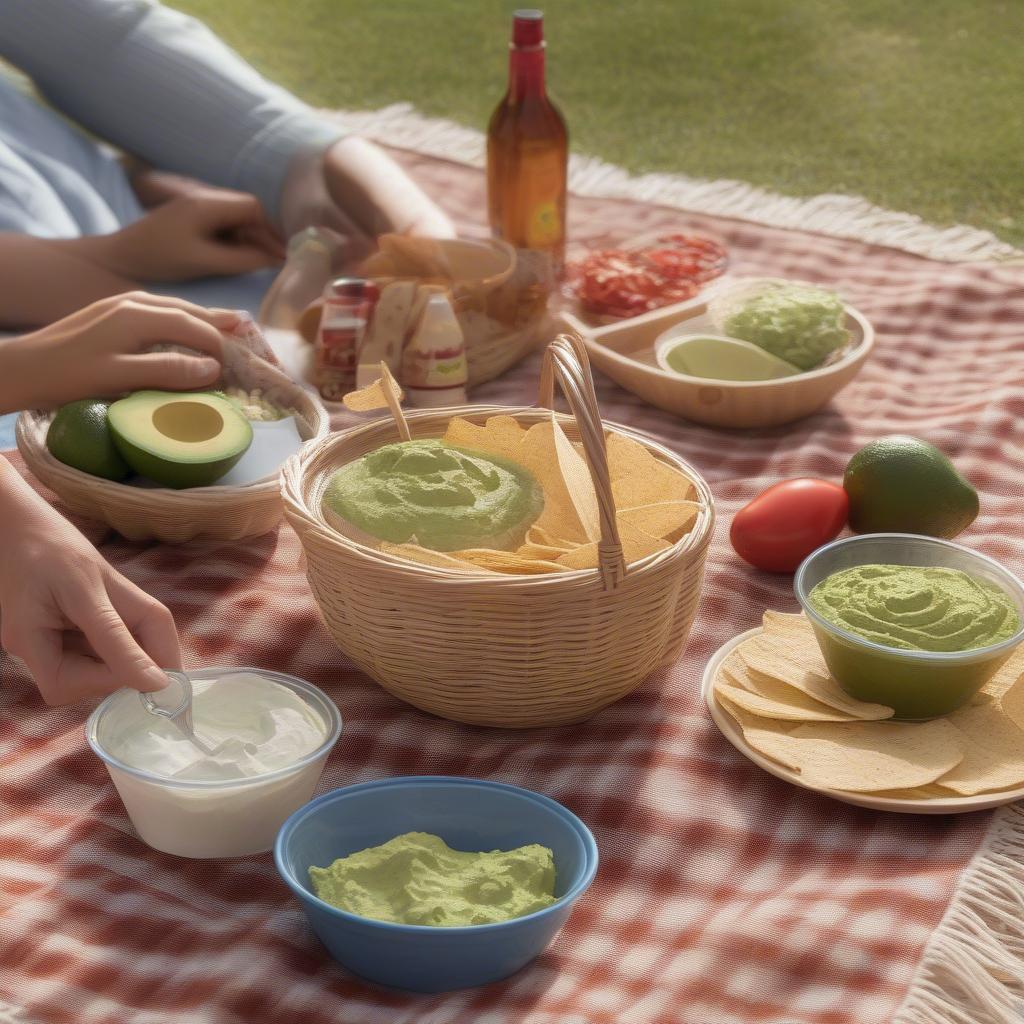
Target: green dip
{"type": "Point", "coordinates": [796, 322]}
{"type": "Point", "coordinates": [417, 879]}
{"type": "Point", "coordinates": [437, 495]}
{"type": "Point", "coordinates": [917, 609]}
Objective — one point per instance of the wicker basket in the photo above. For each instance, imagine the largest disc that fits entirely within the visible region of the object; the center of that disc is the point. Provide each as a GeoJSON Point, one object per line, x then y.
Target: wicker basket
{"type": "Point", "coordinates": [497, 650]}
{"type": "Point", "coordinates": [220, 513]}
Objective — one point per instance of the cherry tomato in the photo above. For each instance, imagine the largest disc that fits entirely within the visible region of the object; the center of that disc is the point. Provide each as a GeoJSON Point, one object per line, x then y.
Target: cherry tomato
{"type": "Point", "coordinates": [784, 524]}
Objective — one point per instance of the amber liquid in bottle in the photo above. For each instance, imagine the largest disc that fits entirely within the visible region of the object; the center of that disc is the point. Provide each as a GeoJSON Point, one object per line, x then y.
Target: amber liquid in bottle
{"type": "Point", "coordinates": [528, 152]}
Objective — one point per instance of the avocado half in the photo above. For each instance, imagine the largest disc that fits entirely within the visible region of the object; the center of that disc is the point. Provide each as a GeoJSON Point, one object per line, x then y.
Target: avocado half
{"type": "Point", "coordinates": [179, 439]}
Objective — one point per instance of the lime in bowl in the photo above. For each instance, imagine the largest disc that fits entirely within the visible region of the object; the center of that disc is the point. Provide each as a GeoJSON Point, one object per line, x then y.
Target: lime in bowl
{"type": "Point", "coordinates": [917, 684]}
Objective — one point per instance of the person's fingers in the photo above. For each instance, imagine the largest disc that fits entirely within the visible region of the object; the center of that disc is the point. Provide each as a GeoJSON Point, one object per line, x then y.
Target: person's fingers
{"type": "Point", "coordinates": [222, 319]}
{"type": "Point", "coordinates": [150, 622]}
{"type": "Point", "coordinates": [169, 371]}
{"type": "Point", "coordinates": [135, 326]}
{"type": "Point", "coordinates": [87, 604]}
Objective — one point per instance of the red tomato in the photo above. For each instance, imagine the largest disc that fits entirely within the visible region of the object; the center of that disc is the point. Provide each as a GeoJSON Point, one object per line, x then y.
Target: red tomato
{"type": "Point", "coordinates": [784, 524]}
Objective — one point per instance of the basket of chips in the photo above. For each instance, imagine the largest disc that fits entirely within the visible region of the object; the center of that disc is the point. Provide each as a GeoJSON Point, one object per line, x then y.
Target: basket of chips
{"type": "Point", "coordinates": [503, 567]}
{"type": "Point", "coordinates": [256, 416]}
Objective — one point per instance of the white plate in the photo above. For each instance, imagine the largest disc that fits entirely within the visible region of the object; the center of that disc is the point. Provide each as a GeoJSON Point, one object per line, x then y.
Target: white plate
{"type": "Point", "coordinates": [732, 732]}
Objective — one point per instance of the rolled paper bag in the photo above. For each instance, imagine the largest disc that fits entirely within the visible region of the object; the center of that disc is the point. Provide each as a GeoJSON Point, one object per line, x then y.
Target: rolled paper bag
{"type": "Point", "coordinates": [434, 367]}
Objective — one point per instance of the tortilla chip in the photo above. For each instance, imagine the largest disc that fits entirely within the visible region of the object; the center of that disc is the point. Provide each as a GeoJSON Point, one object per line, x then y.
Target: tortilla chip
{"type": "Point", "coordinates": [669, 520]}
{"type": "Point", "coordinates": [1007, 676]}
{"type": "Point", "coordinates": [994, 750]}
{"type": "Point", "coordinates": [506, 561]}
{"type": "Point", "coordinates": [770, 663]}
{"type": "Point", "coordinates": [933, 791]}
{"type": "Point", "coordinates": [795, 707]}
{"type": "Point", "coordinates": [635, 545]}
{"type": "Point", "coordinates": [865, 757]}
{"type": "Point", "coordinates": [502, 435]}
{"type": "Point", "coordinates": [540, 551]}
{"type": "Point", "coordinates": [371, 397]}
{"type": "Point", "coordinates": [655, 484]}
{"type": "Point", "coordinates": [766, 731]}
{"type": "Point", "coordinates": [541, 537]}
{"type": "Point", "coordinates": [1012, 703]}
{"type": "Point", "coordinates": [424, 556]}
{"type": "Point", "coordinates": [578, 483]}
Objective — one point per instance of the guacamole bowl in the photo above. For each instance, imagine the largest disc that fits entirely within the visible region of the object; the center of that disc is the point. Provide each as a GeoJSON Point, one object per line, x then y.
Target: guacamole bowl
{"type": "Point", "coordinates": [918, 685]}
{"type": "Point", "coordinates": [470, 815]}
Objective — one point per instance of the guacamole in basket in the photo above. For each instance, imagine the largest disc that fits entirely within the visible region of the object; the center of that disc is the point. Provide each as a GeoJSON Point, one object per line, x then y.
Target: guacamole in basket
{"type": "Point", "coordinates": [437, 495]}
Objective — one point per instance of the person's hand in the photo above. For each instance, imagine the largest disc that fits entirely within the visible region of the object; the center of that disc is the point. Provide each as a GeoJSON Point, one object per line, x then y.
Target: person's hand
{"type": "Point", "coordinates": [104, 350]}
{"type": "Point", "coordinates": [201, 233]}
{"type": "Point", "coordinates": [81, 628]}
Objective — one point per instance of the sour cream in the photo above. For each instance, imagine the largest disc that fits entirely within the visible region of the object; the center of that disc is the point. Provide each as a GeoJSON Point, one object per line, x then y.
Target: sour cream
{"type": "Point", "coordinates": [253, 725]}
{"type": "Point", "coordinates": [268, 736]}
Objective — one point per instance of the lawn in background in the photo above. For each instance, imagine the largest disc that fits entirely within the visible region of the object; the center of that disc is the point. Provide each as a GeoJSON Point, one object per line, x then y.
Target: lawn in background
{"type": "Point", "coordinates": [916, 104]}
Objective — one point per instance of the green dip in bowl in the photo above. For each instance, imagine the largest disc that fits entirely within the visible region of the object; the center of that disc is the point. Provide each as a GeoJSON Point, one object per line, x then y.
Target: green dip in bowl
{"type": "Point", "coordinates": [915, 623]}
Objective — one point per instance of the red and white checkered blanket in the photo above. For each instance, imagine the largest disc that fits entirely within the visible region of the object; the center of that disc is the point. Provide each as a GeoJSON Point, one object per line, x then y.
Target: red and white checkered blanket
{"type": "Point", "coordinates": [724, 896]}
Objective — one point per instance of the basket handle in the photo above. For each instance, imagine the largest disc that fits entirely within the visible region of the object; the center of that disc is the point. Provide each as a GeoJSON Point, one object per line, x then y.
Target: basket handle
{"type": "Point", "coordinates": [566, 360]}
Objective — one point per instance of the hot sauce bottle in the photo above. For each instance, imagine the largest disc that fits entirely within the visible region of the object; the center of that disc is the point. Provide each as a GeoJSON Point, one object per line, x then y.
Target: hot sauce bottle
{"type": "Point", "coordinates": [528, 152]}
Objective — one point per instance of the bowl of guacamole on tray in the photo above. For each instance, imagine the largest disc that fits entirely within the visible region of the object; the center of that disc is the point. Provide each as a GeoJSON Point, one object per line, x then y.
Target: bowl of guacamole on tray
{"type": "Point", "coordinates": [912, 622]}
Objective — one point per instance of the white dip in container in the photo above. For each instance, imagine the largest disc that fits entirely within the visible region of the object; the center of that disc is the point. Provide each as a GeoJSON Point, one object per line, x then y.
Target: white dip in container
{"type": "Point", "coordinates": [270, 735]}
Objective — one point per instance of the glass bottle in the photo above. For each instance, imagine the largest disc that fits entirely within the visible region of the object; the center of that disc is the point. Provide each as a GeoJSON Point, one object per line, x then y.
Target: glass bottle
{"type": "Point", "coordinates": [528, 152]}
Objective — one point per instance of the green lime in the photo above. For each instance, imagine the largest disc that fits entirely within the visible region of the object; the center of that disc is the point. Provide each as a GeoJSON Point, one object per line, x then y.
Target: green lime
{"type": "Point", "coordinates": [902, 484]}
{"type": "Point", "coordinates": [79, 437]}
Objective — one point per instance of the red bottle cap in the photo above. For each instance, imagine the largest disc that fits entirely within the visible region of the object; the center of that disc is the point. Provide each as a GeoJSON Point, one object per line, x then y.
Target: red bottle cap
{"type": "Point", "coordinates": [528, 28]}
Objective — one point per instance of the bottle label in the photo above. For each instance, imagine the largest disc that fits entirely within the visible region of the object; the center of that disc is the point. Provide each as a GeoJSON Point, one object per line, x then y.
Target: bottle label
{"type": "Point", "coordinates": [544, 227]}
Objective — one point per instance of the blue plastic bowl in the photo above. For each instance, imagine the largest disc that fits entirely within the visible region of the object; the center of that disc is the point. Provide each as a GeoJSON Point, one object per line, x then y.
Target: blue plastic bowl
{"type": "Point", "coordinates": [469, 814]}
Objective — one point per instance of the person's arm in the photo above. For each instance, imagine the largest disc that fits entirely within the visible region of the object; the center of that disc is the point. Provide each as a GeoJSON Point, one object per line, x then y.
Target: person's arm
{"type": "Point", "coordinates": [161, 86]}
{"type": "Point", "coordinates": [45, 279]}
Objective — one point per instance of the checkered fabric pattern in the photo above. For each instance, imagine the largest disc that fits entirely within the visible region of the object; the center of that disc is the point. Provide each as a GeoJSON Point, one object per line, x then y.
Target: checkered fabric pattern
{"type": "Point", "coordinates": [724, 896]}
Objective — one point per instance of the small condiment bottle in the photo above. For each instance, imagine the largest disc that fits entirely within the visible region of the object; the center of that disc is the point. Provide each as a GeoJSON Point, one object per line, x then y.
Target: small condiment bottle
{"type": "Point", "coordinates": [348, 305]}
{"type": "Point", "coordinates": [434, 368]}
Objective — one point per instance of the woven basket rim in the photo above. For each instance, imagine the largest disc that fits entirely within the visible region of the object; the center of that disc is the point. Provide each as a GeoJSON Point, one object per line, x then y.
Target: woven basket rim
{"type": "Point", "coordinates": [296, 508]}
{"type": "Point", "coordinates": [31, 440]}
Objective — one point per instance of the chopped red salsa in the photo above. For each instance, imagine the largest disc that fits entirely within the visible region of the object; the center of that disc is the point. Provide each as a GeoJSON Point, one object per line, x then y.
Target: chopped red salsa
{"type": "Point", "coordinates": [626, 282]}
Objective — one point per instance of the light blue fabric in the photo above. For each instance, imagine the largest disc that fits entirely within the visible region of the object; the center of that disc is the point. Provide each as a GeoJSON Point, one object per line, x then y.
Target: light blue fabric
{"type": "Point", "coordinates": [157, 84]}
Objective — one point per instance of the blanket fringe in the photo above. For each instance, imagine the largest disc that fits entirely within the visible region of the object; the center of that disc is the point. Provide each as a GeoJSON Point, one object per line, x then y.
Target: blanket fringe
{"type": "Point", "coordinates": [972, 971]}
{"type": "Point", "coordinates": [839, 216]}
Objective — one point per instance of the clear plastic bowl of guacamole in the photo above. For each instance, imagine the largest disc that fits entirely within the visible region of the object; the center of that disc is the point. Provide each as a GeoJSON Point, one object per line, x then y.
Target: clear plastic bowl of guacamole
{"type": "Point", "coordinates": [917, 684]}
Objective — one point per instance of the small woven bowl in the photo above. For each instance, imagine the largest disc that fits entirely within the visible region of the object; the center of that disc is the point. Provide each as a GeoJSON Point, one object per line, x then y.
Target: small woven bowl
{"type": "Point", "coordinates": [173, 516]}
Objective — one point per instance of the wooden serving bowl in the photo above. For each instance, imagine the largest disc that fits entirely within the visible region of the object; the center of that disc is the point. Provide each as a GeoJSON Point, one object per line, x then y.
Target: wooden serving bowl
{"type": "Point", "coordinates": [625, 351]}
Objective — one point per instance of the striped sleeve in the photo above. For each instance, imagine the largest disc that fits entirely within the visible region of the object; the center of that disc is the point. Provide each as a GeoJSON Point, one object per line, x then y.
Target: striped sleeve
{"type": "Point", "coordinates": [162, 86]}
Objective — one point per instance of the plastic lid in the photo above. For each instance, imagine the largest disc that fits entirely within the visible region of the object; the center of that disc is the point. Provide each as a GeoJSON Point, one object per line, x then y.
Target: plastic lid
{"type": "Point", "coordinates": [527, 28]}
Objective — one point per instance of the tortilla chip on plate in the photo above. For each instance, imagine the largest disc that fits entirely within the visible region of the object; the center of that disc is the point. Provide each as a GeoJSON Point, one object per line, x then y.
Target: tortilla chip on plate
{"type": "Point", "coordinates": [993, 750]}
{"type": "Point", "coordinates": [768, 664]}
{"type": "Point", "coordinates": [865, 757]}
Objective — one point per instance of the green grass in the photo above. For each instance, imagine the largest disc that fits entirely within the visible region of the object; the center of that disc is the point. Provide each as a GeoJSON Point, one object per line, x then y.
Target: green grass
{"type": "Point", "coordinates": [916, 104]}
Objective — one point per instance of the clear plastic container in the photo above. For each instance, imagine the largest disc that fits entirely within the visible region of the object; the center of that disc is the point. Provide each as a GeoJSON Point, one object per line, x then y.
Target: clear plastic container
{"type": "Point", "coordinates": [233, 818]}
{"type": "Point", "coordinates": [918, 685]}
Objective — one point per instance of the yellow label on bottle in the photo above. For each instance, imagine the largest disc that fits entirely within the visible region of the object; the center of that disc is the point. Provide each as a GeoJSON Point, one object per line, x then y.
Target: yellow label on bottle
{"type": "Point", "coordinates": [544, 227]}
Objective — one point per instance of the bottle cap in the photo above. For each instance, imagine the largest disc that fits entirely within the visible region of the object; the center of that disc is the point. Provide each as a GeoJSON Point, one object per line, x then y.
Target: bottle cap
{"type": "Point", "coordinates": [528, 28]}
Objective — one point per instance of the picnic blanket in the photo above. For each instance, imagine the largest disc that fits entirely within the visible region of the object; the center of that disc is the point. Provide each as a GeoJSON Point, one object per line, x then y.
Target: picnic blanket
{"type": "Point", "coordinates": [724, 896]}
